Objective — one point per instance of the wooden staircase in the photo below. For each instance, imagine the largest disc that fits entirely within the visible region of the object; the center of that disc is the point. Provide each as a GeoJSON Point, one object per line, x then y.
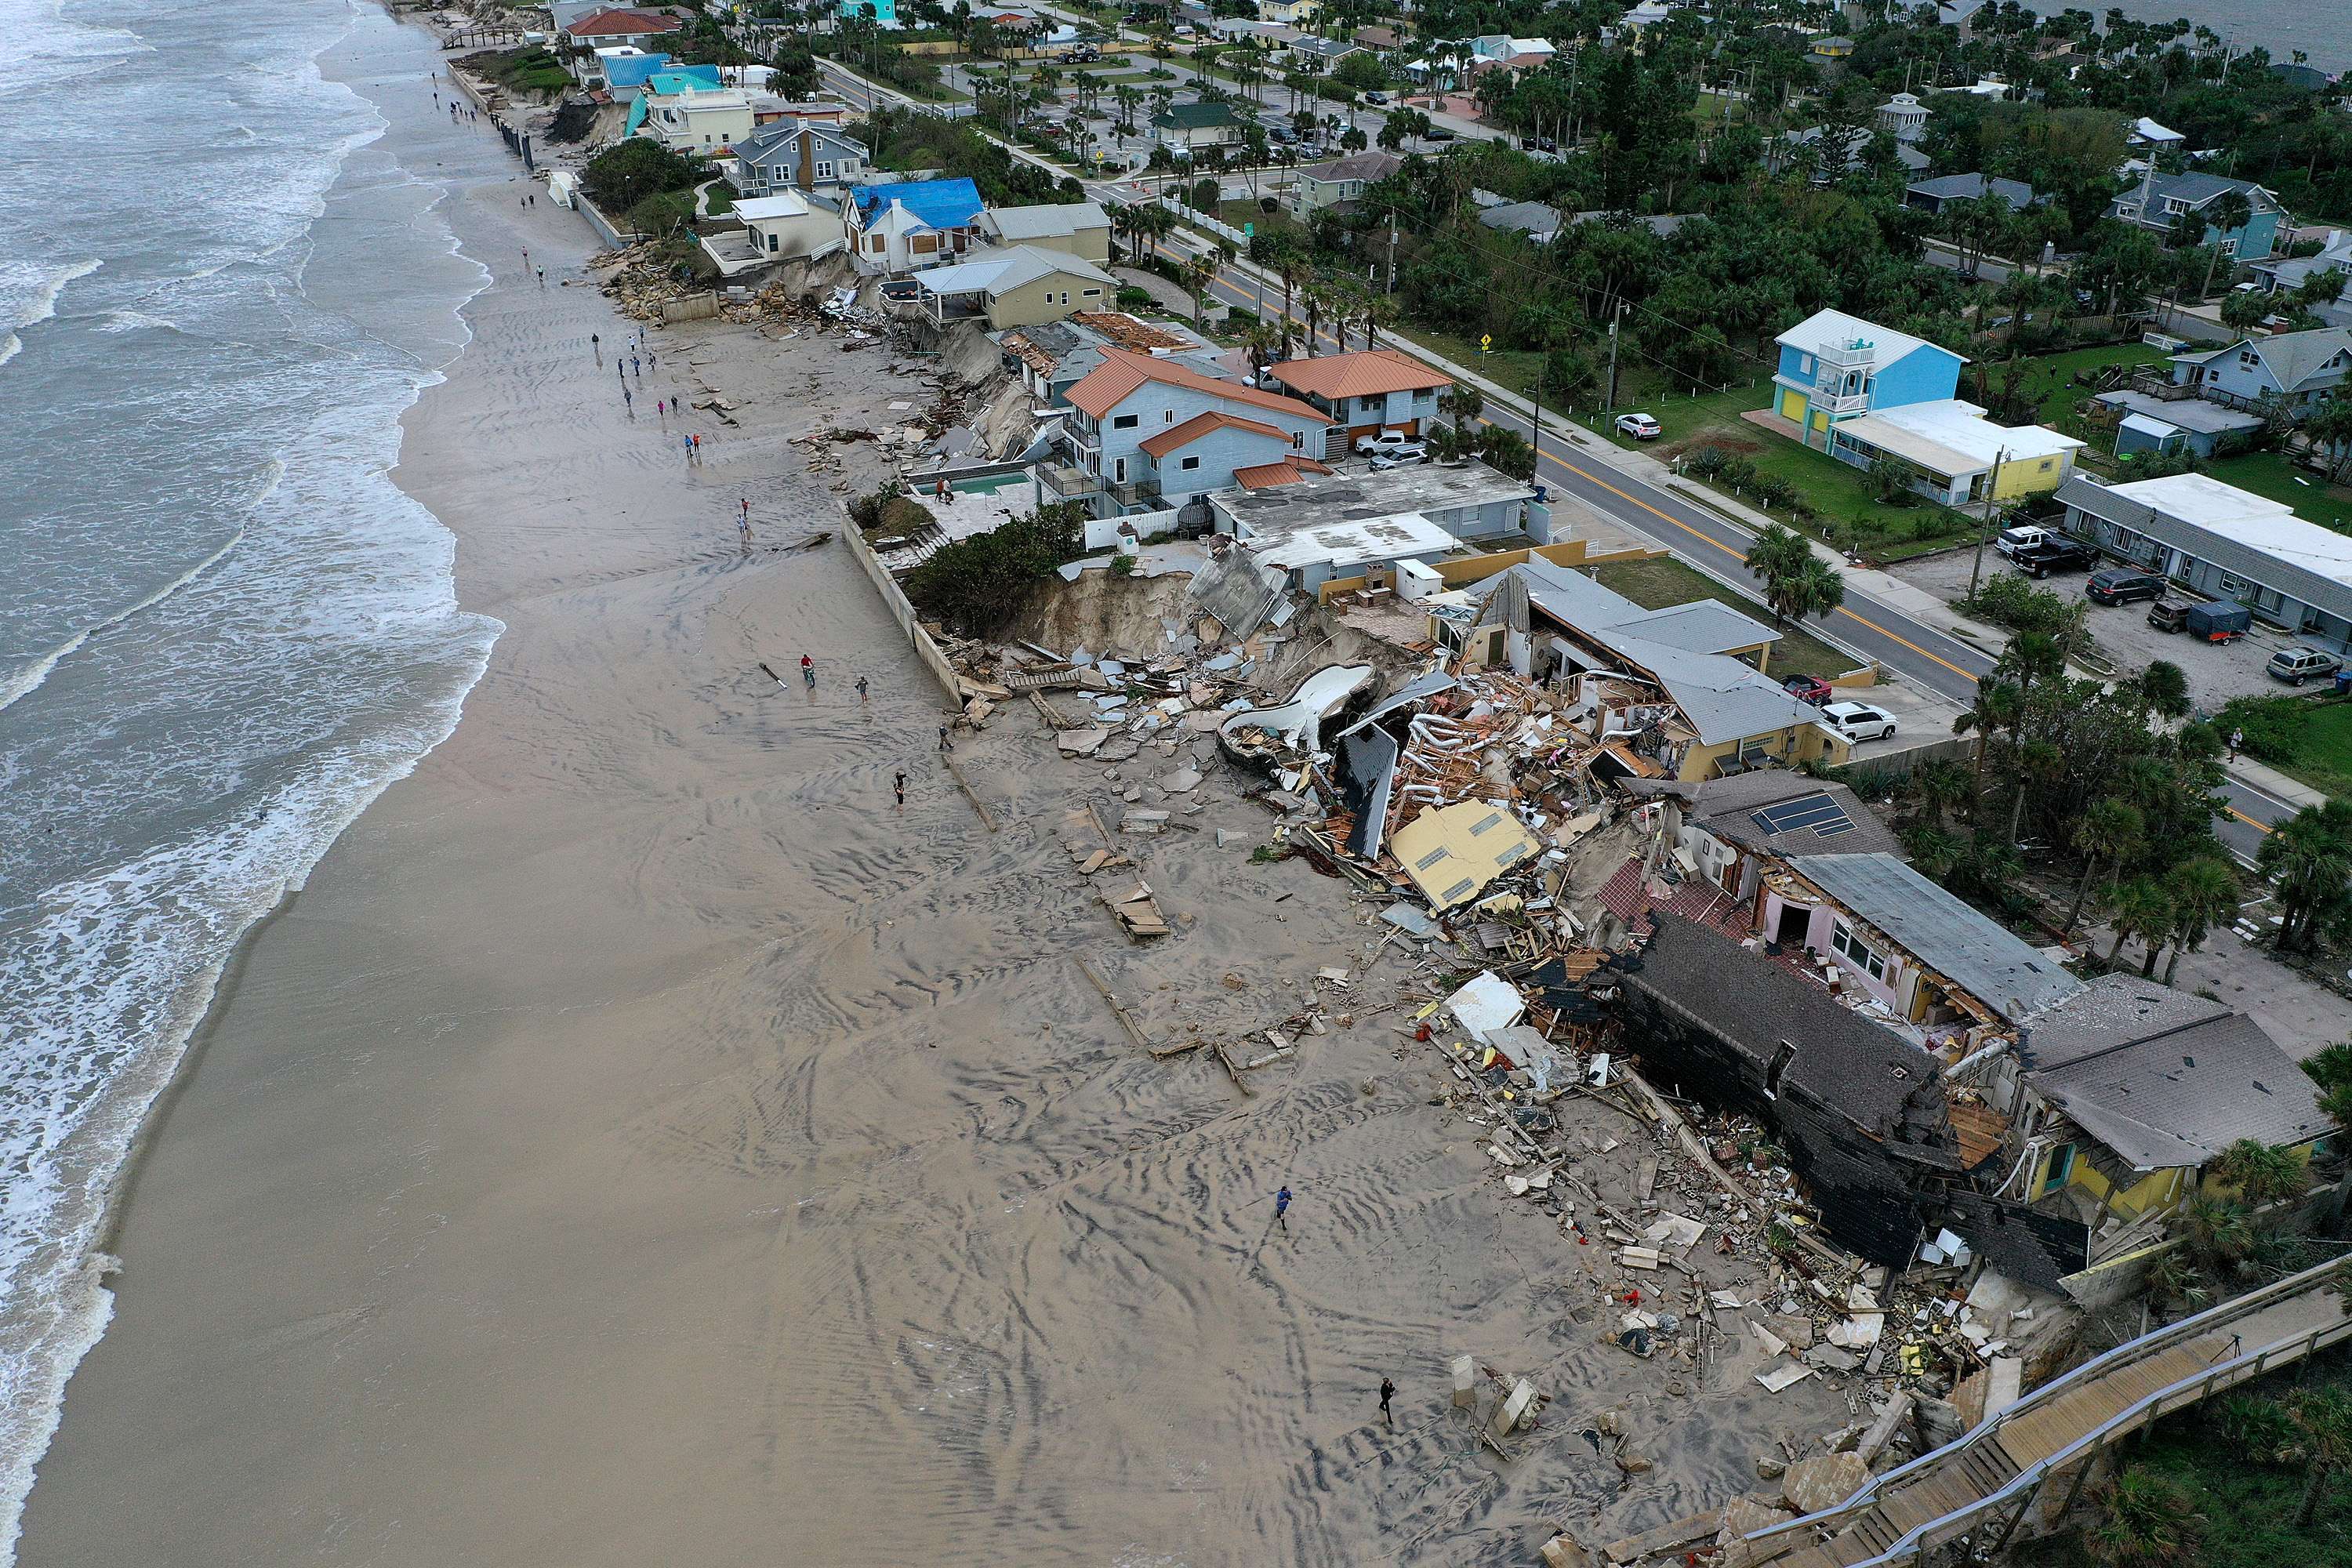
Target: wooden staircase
{"type": "Point", "coordinates": [1989, 1477]}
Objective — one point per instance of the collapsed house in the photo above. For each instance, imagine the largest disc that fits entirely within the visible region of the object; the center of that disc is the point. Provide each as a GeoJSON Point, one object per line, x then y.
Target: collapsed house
{"type": "Point", "coordinates": [1861, 1110]}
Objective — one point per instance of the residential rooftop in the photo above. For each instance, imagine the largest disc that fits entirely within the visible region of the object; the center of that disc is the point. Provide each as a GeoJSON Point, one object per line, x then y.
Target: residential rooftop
{"type": "Point", "coordinates": [1428, 487]}
{"type": "Point", "coordinates": [1365, 375]}
{"type": "Point", "coordinates": [1944, 934]}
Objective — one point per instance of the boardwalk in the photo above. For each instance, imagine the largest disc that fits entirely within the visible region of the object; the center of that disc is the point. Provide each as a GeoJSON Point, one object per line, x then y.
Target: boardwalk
{"type": "Point", "coordinates": [1989, 1479]}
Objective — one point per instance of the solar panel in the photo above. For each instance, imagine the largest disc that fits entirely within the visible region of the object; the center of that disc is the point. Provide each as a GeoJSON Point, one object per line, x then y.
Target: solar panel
{"type": "Point", "coordinates": [1815, 813]}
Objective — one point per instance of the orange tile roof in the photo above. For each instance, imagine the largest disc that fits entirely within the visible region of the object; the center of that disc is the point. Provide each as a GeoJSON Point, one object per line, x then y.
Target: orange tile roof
{"type": "Point", "coordinates": [1365, 375]}
{"type": "Point", "coordinates": [1200, 424]}
{"type": "Point", "coordinates": [1270, 476]}
{"type": "Point", "coordinates": [1120, 373]}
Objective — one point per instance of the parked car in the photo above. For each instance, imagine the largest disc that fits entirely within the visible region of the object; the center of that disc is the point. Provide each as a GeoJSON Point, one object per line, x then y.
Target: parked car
{"type": "Point", "coordinates": [1390, 443]}
{"type": "Point", "coordinates": [1437, 133]}
{"type": "Point", "coordinates": [1400, 458]}
{"type": "Point", "coordinates": [1376, 99]}
{"type": "Point", "coordinates": [2056, 553]}
{"type": "Point", "coordinates": [1538, 145]}
{"type": "Point", "coordinates": [2296, 664]}
{"type": "Point", "coordinates": [1859, 721]}
{"type": "Point", "coordinates": [2121, 585]}
{"type": "Point", "coordinates": [2167, 617]}
{"type": "Point", "coordinates": [1639, 426]}
{"type": "Point", "coordinates": [1809, 689]}
{"type": "Point", "coordinates": [1281, 135]}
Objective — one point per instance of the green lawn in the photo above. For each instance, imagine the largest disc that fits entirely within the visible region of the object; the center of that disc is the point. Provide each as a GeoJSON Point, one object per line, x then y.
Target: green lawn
{"type": "Point", "coordinates": [2049, 378]}
{"type": "Point", "coordinates": [1245, 212]}
{"type": "Point", "coordinates": [1653, 584]}
{"type": "Point", "coordinates": [1840, 495]}
{"type": "Point", "coordinates": [2269, 474]}
{"type": "Point", "coordinates": [2306, 739]}
{"type": "Point", "coordinates": [1507, 368]}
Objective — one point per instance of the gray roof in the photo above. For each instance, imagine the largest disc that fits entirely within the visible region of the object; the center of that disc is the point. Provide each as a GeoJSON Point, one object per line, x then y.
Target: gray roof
{"type": "Point", "coordinates": [1051, 220]}
{"type": "Point", "coordinates": [2236, 557]}
{"type": "Point", "coordinates": [1367, 167]}
{"type": "Point", "coordinates": [2188, 413]}
{"type": "Point", "coordinates": [2196, 189]}
{"type": "Point", "coordinates": [1704, 626]}
{"type": "Point", "coordinates": [2165, 1079]}
{"type": "Point", "coordinates": [1524, 217]}
{"type": "Point", "coordinates": [1973, 187]}
{"type": "Point", "coordinates": [2295, 358]}
{"type": "Point", "coordinates": [769, 141]}
{"type": "Point", "coordinates": [1868, 1073]}
{"type": "Point", "coordinates": [1663, 225]}
{"type": "Point", "coordinates": [1329, 48]}
{"type": "Point", "coordinates": [1727, 807]}
{"type": "Point", "coordinates": [1943, 933]}
{"type": "Point", "coordinates": [998, 272]}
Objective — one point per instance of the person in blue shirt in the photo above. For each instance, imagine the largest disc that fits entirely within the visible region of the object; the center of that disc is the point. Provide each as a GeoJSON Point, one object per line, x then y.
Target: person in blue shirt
{"type": "Point", "coordinates": [1282, 1208]}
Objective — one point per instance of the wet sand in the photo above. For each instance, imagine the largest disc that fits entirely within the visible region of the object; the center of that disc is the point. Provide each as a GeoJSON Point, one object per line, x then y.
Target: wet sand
{"type": "Point", "coordinates": [642, 1143]}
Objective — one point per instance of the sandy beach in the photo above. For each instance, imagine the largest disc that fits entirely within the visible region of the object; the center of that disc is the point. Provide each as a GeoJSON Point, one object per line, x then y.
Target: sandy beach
{"type": "Point", "coordinates": [640, 1142]}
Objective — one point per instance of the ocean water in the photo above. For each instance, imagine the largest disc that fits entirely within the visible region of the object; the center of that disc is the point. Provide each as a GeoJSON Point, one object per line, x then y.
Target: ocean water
{"type": "Point", "coordinates": [2281, 27]}
{"type": "Point", "coordinates": [223, 629]}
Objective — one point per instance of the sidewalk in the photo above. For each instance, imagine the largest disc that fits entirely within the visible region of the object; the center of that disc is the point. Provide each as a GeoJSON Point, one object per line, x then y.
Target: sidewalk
{"type": "Point", "coordinates": [2273, 783]}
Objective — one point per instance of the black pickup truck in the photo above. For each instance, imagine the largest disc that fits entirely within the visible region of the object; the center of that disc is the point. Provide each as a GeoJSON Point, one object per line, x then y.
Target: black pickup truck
{"type": "Point", "coordinates": [2055, 552]}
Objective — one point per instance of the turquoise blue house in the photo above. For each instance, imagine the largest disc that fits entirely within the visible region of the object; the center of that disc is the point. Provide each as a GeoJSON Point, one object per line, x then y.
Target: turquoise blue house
{"type": "Point", "coordinates": [1834, 366]}
{"type": "Point", "coordinates": [884, 12]}
{"type": "Point", "coordinates": [668, 82]}
{"type": "Point", "coordinates": [2160, 201]}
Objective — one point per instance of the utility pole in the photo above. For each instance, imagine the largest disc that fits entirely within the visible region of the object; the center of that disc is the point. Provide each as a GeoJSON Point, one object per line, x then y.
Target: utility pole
{"type": "Point", "coordinates": [1976, 569]}
{"type": "Point", "coordinates": [1611, 406]}
{"type": "Point", "coordinates": [1393, 239]}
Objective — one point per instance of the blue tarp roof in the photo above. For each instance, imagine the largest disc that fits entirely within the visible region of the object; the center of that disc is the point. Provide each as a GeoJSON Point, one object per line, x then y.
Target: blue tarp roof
{"type": "Point", "coordinates": [942, 203]}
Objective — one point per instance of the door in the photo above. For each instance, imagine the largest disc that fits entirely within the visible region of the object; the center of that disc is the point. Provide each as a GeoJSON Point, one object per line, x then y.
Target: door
{"type": "Point", "coordinates": [1795, 919]}
{"type": "Point", "coordinates": [1793, 406]}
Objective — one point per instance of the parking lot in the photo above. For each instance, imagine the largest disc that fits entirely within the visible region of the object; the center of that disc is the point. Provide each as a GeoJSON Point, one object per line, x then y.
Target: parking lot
{"type": "Point", "coordinates": [2125, 638]}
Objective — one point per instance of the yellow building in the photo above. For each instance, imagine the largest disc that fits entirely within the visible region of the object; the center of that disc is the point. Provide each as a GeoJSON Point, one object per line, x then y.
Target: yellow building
{"type": "Point", "coordinates": [1289, 12]}
{"type": "Point", "coordinates": [2130, 1091]}
{"type": "Point", "coordinates": [1956, 455]}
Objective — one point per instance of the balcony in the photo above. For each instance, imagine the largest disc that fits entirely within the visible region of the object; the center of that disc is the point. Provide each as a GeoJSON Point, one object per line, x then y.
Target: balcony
{"type": "Point", "coordinates": [1135, 492]}
{"type": "Point", "coordinates": [1067, 483]}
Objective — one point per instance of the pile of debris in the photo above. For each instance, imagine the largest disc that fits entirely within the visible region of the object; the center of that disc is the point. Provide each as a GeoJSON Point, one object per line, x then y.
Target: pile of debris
{"type": "Point", "coordinates": [639, 280]}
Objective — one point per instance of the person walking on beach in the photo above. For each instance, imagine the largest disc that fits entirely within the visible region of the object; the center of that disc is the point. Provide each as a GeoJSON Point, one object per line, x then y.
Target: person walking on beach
{"type": "Point", "coordinates": [628, 403]}
{"type": "Point", "coordinates": [1388, 1391]}
{"type": "Point", "coordinates": [861, 697]}
{"type": "Point", "coordinates": [945, 745]}
{"type": "Point", "coordinates": [697, 444]}
{"type": "Point", "coordinates": [687, 442]}
{"type": "Point", "coordinates": [1282, 1210]}
{"type": "Point", "coordinates": [808, 672]}
{"type": "Point", "coordinates": [543, 276]}
{"type": "Point", "coordinates": [597, 344]}
{"type": "Point", "coordinates": [899, 784]}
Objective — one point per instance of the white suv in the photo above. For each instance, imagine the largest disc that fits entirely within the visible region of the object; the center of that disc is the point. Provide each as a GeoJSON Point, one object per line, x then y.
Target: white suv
{"type": "Point", "coordinates": [1858, 721]}
{"type": "Point", "coordinates": [1390, 444]}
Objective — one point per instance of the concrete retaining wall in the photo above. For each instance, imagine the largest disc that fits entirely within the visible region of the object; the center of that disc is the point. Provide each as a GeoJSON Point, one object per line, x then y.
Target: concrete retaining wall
{"type": "Point", "coordinates": [605, 228]}
{"type": "Point", "coordinates": [894, 599]}
{"type": "Point", "coordinates": [693, 308]}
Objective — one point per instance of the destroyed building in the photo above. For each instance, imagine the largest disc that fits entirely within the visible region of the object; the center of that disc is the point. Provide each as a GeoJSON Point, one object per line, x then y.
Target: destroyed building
{"type": "Point", "coordinates": [1861, 1110]}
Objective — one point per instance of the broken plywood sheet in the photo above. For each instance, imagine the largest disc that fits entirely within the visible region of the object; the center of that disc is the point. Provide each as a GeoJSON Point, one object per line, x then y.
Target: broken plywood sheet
{"type": "Point", "coordinates": [1486, 1006]}
{"type": "Point", "coordinates": [1139, 911]}
{"type": "Point", "coordinates": [1453, 851]}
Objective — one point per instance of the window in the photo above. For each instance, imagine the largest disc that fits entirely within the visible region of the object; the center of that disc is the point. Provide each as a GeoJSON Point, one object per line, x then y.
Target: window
{"type": "Point", "coordinates": [1124, 421]}
{"type": "Point", "coordinates": [1119, 471]}
{"type": "Point", "coordinates": [2228, 248]}
{"type": "Point", "coordinates": [1188, 464]}
{"type": "Point", "coordinates": [824, 170]}
{"type": "Point", "coordinates": [1849, 942]}
{"type": "Point", "coordinates": [2174, 207]}
{"type": "Point", "coordinates": [1297, 441]}
{"type": "Point", "coordinates": [1094, 294]}
{"type": "Point", "coordinates": [874, 246]}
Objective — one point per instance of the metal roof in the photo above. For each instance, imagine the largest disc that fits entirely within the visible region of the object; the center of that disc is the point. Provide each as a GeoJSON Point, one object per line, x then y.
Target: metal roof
{"type": "Point", "coordinates": [1974, 187]}
{"type": "Point", "coordinates": [1049, 220]}
{"type": "Point", "coordinates": [1982, 958]}
{"type": "Point", "coordinates": [941, 203]}
{"type": "Point", "coordinates": [1788, 815]}
{"type": "Point", "coordinates": [1835, 330]}
{"type": "Point", "coordinates": [996, 272]}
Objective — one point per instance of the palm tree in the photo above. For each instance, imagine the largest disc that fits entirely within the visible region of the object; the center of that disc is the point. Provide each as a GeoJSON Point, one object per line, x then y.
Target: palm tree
{"type": "Point", "coordinates": [2322, 1418]}
{"type": "Point", "coordinates": [2144, 1523]}
{"type": "Point", "coordinates": [2038, 762]}
{"type": "Point", "coordinates": [1942, 785]}
{"type": "Point", "coordinates": [2109, 831]}
{"type": "Point", "coordinates": [1199, 271]}
{"type": "Point", "coordinates": [1992, 709]}
{"type": "Point", "coordinates": [2233, 211]}
{"type": "Point", "coordinates": [2263, 1172]}
{"type": "Point", "coordinates": [2309, 856]}
{"type": "Point", "coordinates": [2329, 430]}
{"type": "Point", "coordinates": [2162, 690]}
{"type": "Point", "coordinates": [1264, 345]}
{"type": "Point", "coordinates": [1316, 301]}
{"type": "Point", "coordinates": [2137, 909]}
{"type": "Point", "coordinates": [2203, 892]}
{"type": "Point", "coordinates": [1463, 403]}
{"type": "Point", "coordinates": [1797, 582]}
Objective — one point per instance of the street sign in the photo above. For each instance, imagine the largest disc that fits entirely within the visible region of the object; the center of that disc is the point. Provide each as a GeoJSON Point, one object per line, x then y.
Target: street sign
{"type": "Point", "coordinates": [1485, 341]}
{"type": "Point", "coordinates": [1249, 231]}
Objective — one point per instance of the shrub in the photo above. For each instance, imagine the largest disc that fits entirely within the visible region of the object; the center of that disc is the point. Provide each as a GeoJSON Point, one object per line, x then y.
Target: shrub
{"type": "Point", "coordinates": [620, 177]}
{"type": "Point", "coordinates": [978, 584]}
{"type": "Point", "coordinates": [2007, 599]}
{"type": "Point", "coordinates": [1131, 298]}
{"type": "Point", "coordinates": [2273, 725]}
{"type": "Point", "coordinates": [658, 213]}
{"type": "Point", "coordinates": [1122, 564]}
